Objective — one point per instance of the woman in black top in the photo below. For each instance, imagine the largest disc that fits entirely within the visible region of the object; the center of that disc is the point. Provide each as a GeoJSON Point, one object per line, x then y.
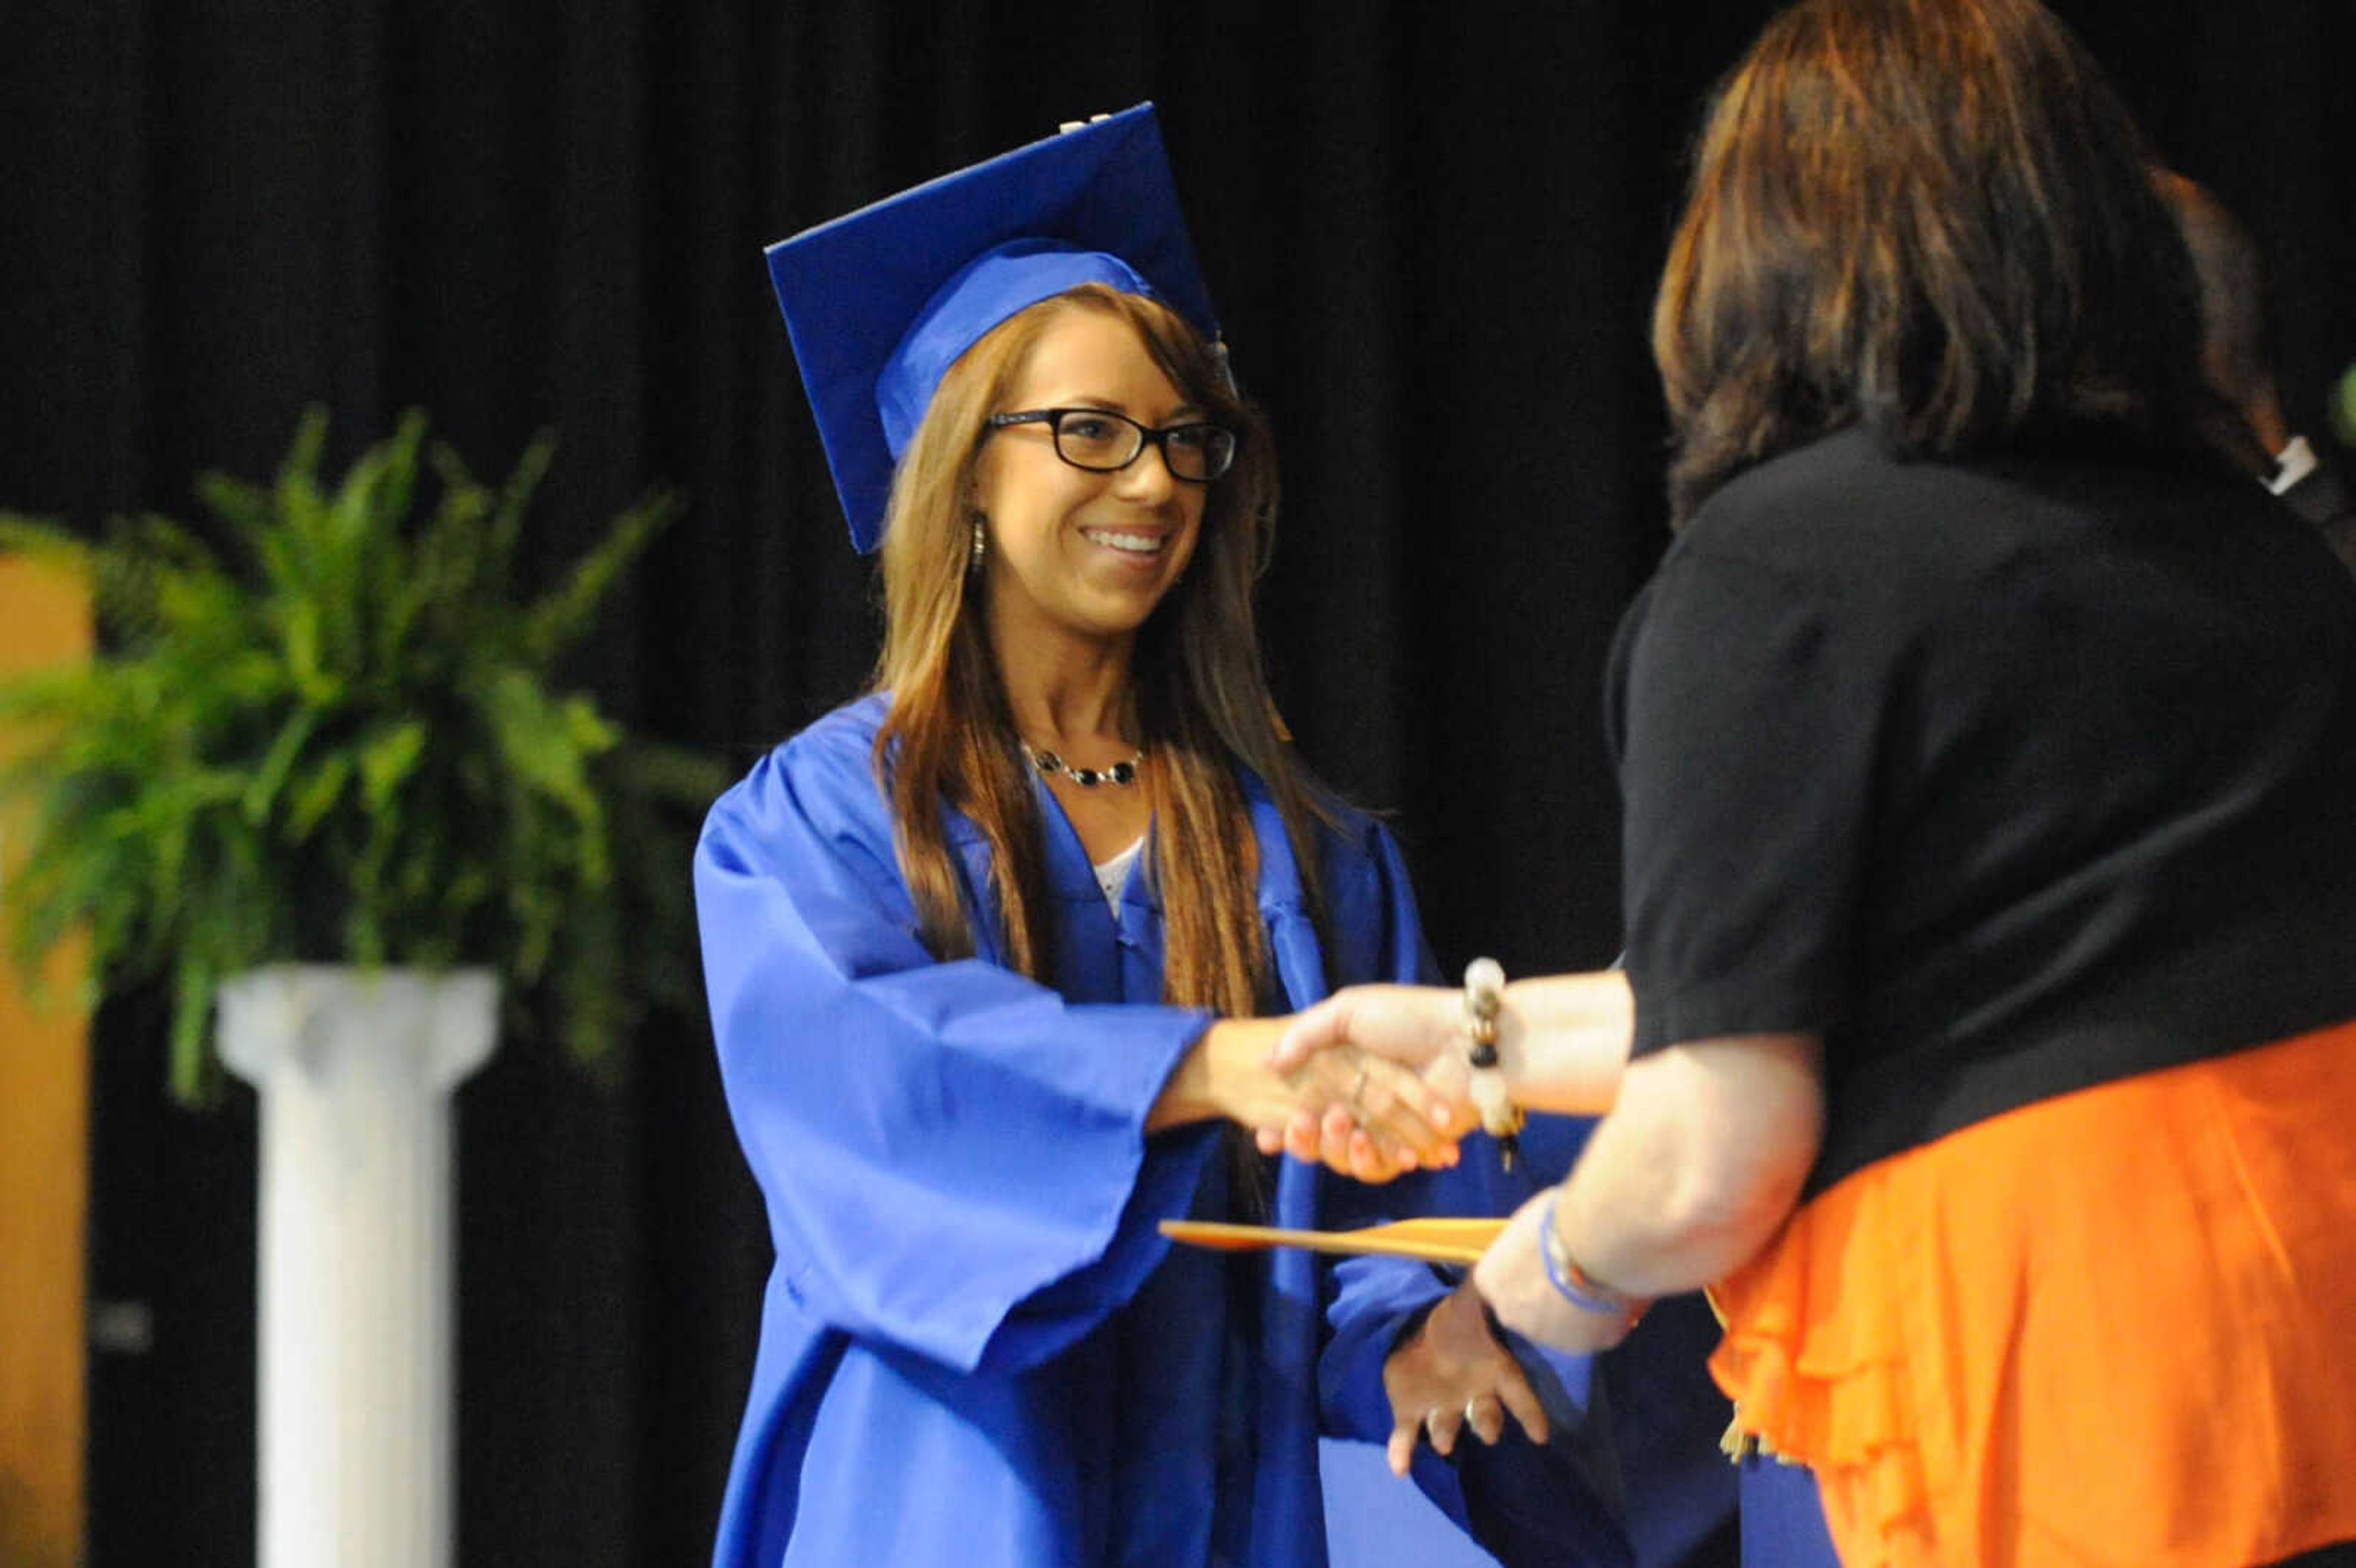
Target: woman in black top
{"type": "Point", "coordinates": [1988, 742]}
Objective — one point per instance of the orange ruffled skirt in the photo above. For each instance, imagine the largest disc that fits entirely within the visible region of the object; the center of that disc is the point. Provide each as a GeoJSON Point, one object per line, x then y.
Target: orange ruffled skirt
{"type": "Point", "coordinates": [2117, 1327]}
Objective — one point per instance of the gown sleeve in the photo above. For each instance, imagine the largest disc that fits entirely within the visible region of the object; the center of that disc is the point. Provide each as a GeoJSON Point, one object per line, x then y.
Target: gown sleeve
{"type": "Point", "coordinates": [1525, 1503]}
{"type": "Point", "coordinates": [953, 1156]}
{"type": "Point", "coordinates": [1562, 1501]}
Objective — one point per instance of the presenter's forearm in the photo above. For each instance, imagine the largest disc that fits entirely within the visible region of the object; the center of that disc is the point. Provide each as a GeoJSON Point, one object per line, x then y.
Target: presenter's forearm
{"type": "Point", "coordinates": [1563, 1040]}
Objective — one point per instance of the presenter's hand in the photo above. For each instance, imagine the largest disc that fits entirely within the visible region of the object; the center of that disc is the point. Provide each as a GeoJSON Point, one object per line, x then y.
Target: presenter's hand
{"type": "Point", "coordinates": [1451, 1374]}
{"type": "Point", "coordinates": [1419, 1027]}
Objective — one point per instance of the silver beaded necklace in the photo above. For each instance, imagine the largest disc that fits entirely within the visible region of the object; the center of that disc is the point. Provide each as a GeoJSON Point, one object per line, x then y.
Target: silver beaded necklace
{"type": "Point", "coordinates": [1122, 774]}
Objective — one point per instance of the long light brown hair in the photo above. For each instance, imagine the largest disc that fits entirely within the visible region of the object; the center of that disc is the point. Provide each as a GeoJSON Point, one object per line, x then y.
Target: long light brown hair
{"type": "Point", "coordinates": [1930, 217]}
{"type": "Point", "coordinates": [1201, 701]}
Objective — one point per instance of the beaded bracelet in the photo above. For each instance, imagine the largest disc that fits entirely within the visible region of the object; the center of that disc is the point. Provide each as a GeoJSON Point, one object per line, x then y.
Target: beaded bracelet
{"type": "Point", "coordinates": [1484, 992]}
{"type": "Point", "coordinates": [1571, 1281]}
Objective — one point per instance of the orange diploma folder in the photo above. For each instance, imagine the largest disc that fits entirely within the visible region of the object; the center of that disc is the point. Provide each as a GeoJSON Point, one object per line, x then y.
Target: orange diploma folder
{"type": "Point", "coordinates": [1433, 1240]}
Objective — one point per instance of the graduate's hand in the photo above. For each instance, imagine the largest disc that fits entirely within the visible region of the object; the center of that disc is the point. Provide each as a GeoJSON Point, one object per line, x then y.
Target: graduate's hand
{"type": "Point", "coordinates": [1363, 1112]}
{"type": "Point", "coordinates": [1419, 1027]}
{"type": "Point", "coordinates": [1452, 1373]}
{"type": "Point", "coordinates": [1367, 1118]}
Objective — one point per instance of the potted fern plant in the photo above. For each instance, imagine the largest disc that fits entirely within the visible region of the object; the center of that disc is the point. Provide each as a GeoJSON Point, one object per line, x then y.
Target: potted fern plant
{"type": "Point", "coordinates": [324, 784]}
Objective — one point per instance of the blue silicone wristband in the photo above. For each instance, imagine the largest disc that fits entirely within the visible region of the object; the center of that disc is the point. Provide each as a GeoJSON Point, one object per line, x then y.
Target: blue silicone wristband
{"type": "Point", "coordinates": [1581, 1295]}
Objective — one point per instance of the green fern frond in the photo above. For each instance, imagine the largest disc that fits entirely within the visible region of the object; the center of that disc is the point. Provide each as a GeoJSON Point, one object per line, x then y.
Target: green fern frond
{"type": "Point", "coordinates": [506, 527]}
{"type": "Point", "coordinates": [560, 620]}
{"type": "Point", "coordinates": [337, 741]}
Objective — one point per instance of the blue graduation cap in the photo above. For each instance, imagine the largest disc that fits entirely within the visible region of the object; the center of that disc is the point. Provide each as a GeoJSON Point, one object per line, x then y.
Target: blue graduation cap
{"type": "Point", "coordinates": [881, 303]}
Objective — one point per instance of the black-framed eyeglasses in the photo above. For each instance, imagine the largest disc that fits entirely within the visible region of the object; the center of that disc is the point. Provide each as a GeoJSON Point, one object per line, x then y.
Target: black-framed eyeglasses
{"type": "Point", "coordinates": [1103, 442]}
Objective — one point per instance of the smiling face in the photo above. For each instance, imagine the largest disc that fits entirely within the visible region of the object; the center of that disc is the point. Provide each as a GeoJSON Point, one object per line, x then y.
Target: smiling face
{"type": "Point", "coordinates": [1074, 554]}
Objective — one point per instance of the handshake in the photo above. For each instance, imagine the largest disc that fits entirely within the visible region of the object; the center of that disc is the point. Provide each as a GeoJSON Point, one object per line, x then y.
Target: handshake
{"type": "Point", "coordinates": [1381, 1080]}
{"type": "Point", "coordinates": [1377, 1080]}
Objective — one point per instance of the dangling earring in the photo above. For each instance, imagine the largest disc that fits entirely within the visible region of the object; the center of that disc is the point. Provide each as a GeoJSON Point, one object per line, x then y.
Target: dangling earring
{"type": "Point", "coordinates": [980, 546]}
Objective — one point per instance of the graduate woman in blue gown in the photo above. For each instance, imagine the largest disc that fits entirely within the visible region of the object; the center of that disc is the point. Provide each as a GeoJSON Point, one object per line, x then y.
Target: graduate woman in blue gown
{"type": "Point", "coordinates": [987, 949]}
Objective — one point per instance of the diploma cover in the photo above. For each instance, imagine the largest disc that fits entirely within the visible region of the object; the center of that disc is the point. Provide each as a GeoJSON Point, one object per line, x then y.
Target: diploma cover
{"type": "Point", "coordinates": [1434, 1241]}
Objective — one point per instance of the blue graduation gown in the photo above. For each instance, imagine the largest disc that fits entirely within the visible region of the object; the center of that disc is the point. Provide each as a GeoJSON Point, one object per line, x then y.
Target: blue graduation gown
{"type": "Point", "coordinates": [976, 1349]}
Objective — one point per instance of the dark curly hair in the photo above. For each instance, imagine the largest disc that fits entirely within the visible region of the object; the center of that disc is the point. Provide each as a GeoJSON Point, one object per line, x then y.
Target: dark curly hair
{"type": "Point", "coordinates": [1933, 218]}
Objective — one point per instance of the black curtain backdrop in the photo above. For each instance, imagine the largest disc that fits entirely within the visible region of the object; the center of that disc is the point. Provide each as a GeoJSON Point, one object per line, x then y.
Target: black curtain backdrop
{"type": "Point", "coordinates": [1433, 232]}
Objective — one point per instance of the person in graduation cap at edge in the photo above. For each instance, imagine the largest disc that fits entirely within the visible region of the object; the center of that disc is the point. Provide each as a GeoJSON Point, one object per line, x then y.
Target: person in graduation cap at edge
{"type": "Point", "coordinates": [987, 949]}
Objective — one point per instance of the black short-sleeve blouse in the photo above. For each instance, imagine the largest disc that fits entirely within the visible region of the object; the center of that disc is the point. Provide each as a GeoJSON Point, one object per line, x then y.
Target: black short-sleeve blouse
{"type": "Point", "coordinates": [2009, 777]}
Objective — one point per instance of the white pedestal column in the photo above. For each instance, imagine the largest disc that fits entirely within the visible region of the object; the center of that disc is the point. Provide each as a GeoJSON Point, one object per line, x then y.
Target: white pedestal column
{"type": "Point", "coordinates": [355, 1354]}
